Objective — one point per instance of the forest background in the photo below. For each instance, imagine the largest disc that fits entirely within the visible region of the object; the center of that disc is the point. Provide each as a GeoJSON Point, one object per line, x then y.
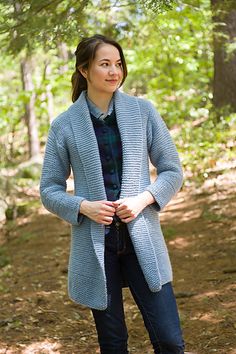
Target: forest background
{"type": "Point", "coordinates": [181, 55]}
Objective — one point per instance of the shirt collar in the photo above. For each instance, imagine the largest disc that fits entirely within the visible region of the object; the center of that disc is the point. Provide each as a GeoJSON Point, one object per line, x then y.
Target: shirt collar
{"type": "Point", "coordinates": [96, 112]}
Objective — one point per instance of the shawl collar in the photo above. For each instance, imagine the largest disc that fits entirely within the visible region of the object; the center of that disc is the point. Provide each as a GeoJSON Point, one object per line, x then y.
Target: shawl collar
{"type": "Point", "coordinates": [88, 150]}
{"type": "Point", "coordinates": [129, 121]}
{"type": "Point", "coordinates": [87, 146]}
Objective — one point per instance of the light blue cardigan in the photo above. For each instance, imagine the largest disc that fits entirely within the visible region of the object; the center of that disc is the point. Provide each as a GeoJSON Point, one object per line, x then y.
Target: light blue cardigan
{"type": "Point", "coordinates": [72, 145]}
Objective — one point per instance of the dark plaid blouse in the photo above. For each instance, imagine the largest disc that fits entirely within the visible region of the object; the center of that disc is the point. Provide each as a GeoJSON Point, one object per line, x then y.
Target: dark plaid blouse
{"type": "Point", "coordinates": [109, 143]}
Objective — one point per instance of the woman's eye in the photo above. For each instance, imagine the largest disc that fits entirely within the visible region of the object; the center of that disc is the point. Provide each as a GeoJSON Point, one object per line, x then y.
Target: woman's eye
{"type": "Point", "coordinates": [118, 65]}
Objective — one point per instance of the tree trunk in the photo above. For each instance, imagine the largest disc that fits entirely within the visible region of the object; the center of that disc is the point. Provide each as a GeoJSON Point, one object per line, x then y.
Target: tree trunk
{"type": "Point", "coordinates": [30, 117]}
{"type": "Point", "coordinates": [49, 95]}
{"type": "Point", "coordinates": [64, 56]}
{"type": "Point", "coordinates": [224, 34]}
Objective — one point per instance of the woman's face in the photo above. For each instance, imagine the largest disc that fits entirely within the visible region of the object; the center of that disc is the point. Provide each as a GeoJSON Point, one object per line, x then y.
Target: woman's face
{"type": "Point", "coordinates": [105, 73]}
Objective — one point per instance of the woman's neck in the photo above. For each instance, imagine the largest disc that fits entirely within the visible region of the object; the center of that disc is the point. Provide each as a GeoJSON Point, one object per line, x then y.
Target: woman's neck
{"type": "Point", "coordinates": [101, 101]}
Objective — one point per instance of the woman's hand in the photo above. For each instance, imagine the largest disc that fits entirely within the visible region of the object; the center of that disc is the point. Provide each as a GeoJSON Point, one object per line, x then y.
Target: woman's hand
{"type": "Point", "coordinates": [101, 211]}
{"type": "Point", "coordinates": [128, 208]}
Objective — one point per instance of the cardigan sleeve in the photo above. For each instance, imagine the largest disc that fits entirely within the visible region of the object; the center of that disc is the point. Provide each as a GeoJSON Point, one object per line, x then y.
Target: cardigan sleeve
{"type": "Point", "coordinates": [56, 170]}
{"type": "Point", "coordinates": [165, 158]}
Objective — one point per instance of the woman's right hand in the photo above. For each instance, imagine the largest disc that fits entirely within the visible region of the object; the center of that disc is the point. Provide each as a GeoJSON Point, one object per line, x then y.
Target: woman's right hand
{"type": "Point", "coordinates": [101, 211]}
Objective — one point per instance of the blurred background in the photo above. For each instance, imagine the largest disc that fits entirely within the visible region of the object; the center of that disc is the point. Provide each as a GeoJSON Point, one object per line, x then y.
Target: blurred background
{"type": "Point", "coordinates": [183, 59]}
{"type": "Point", "coordinates": [181, 55]}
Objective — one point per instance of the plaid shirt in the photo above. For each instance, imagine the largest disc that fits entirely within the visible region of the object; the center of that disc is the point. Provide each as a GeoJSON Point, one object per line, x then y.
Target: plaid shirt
{"type": "Point", "coordinates": [110, 149]}
{"type": "Point", "coordinates": [109, 143]}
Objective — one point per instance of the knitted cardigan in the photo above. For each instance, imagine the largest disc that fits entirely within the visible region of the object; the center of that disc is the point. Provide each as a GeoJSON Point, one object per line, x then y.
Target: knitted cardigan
{"type": "Point", "coordinates": [72, 145]}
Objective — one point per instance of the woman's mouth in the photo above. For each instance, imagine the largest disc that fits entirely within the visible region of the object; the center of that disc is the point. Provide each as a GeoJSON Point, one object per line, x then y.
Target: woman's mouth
{"type": "Point", "coordinates": [112, 82]}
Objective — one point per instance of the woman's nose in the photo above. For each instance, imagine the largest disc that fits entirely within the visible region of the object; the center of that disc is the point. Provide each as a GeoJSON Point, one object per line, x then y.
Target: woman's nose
{"type": "Point", "coordinates": [113, 70]}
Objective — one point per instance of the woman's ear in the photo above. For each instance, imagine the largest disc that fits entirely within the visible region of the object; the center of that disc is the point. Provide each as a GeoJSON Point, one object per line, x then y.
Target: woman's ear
{"type": "Point", "coordinates": [83, 72]}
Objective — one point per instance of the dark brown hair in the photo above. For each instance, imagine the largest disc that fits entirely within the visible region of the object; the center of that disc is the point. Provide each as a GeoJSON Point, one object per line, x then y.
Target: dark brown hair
{"type": "Point", "coordinates": [85, 54]}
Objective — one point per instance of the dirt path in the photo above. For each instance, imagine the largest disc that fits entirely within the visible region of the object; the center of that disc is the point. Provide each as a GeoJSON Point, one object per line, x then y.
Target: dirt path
{"type": "Point", "coordinates": [36, 315]}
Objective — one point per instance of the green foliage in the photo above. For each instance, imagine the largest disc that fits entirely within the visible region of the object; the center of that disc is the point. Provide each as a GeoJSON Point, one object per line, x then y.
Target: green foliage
{"type": "Point", "coordinates": [169, 232]}
{"type": "Point", "coordinates": [24, 238]}
{"type": "Point", "coordinates": [30, 24]}
{"type": "Point", "coordinates": [212, 217]}
{"type": "Point", "coordinates": [170, 61]}
{"type": "Point", "coordinates": [4, 259]}
{"type": "Point", "coordinates": [12, 136]}
{"type": "Point", "coordinates": [158, 6]}
{"type": "Point", "coordinates": [5, 270]}
{"type": "Point", "coordinates": [173, 66]}
{"type": "Point", "coordinates": [208, 146]}
{"type": "Point", "coordinates": [30, 172]}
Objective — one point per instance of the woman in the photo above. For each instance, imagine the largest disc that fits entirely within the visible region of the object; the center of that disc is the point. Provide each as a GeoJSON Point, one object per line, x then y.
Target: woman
{"type": "Point", "coordinates": [106, 138]}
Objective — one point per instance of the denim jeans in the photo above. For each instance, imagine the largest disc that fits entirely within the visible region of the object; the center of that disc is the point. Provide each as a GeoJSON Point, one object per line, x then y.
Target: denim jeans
{"type": "Point", "coordinates": [158, 309]}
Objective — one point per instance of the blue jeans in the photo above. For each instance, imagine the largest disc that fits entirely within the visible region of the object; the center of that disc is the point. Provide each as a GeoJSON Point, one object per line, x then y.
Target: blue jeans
{"type": "Point", "coordinates": [158, 309]}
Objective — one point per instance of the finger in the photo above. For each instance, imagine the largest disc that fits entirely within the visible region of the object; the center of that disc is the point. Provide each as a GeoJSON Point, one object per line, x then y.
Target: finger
{"type": "Point", "coordinates": [123, 213]}
{"type": "Point", "coordinates": [107, 202]}
{"type": "Point", "coordinates": [126, 220]}
{"type": "Point", "coordinates": [118, 202]}
{"type": "Point", "coordinates": [104, 220]}
{"type": "Point", "coordinates": [109, 208]}
{"type": "Point", "coordinates": [107, 214]}
{"type": "Point", "coordinates": [107, 220]}
{"type": "Point", "coordinates": [122, 207]}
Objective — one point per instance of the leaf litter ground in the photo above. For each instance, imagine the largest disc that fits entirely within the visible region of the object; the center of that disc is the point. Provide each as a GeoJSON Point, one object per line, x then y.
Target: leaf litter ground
{"type": "Point", "coordinates": [36, 315]}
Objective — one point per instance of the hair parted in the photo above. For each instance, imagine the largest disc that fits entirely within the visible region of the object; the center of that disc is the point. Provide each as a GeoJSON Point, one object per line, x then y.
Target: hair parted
{"type": "Point", "coordinates": [85, 54]}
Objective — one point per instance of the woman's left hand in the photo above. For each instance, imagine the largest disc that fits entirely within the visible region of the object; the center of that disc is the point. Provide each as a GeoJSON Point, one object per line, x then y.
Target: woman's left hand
{"type": "Point", "coordinates": [127, 209]}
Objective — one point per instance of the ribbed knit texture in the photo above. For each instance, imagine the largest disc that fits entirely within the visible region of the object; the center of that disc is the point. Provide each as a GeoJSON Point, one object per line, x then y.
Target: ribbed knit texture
{"type": "Point", "coordinates": [72, 144]}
